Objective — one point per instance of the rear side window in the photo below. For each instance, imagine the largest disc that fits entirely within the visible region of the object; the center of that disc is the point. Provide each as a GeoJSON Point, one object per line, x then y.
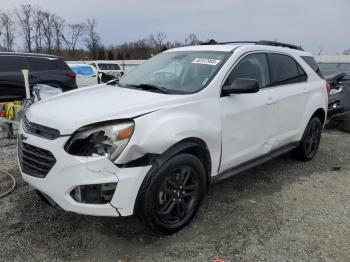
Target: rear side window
{"type": "Point", "coordinates": [60, 64]}
{"type": "Point", "coordinates": [285, 70]}
{"type": "Point", "coordinates": [13, 63]}
{"type": "Point", "coordinates": [254, 66]}
{"type": "Point", "coordinates": [104, 66]}
{"type": "Point", "coordinates": [312, 63]}
{"type": "Point", "coordinates": [302, 74]}
{"type": "Point", "coordinates": [41, 64]}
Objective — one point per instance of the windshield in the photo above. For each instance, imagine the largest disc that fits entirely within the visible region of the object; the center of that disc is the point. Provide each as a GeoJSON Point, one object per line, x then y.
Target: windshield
{"type": "Point", "coordinates": [83, 70]}
{"type": "Point", "coordinates": [334, 68]}
{"type": "Point", "coordinates": [177, 72]}
{"type": "Point", "coordinates": [108, 66]}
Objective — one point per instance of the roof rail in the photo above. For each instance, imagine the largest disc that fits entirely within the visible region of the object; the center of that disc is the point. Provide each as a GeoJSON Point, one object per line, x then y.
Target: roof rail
{"type": "Point", "coordinates": [275, 43]}
{"type": "Point", "coordinates": [29, 54]}
{"type": "Point", "coordinates": [261, 42]}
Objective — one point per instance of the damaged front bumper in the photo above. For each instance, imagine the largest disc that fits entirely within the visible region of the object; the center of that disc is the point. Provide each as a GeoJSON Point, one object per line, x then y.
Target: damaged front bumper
{"type": "Point", "coordinates": [77, 183]}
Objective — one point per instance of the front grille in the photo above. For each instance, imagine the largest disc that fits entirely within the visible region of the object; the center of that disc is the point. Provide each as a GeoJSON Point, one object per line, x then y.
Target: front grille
{"type": "Point", "coordinates": [39, 130]}
{"type": "Point", "coordinates": [35, 161]}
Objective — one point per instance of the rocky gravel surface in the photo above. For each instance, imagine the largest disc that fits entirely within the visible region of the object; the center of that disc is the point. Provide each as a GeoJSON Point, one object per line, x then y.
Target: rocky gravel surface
{"type": "Point", "coordinates": [284, 210]}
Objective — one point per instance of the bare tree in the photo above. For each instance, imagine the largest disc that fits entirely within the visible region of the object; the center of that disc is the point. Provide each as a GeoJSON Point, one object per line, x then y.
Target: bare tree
{"type": "Point", "coordinates": [8, 30]}
{"type": "Point", "coordinates": [74, 34]}
{"type": "Point", "coordinates": [58, 28]}
{"type": "Point", "coordinates": [320, 50]}
{"type": "Point", "coordinates": [346, 52]}
{"type": "Point", "coordinates": [38, 30]}
{"type": "Point", "coordinates": [92, 39]}
{"type": "Point", "coordinates": [48, 30]}
{"type": "Point", "coordinates": [158, 40]}
{"type": "Point", "coordinates": [25, 16]}
{"type": "Point", "coordinates": [191, 39]}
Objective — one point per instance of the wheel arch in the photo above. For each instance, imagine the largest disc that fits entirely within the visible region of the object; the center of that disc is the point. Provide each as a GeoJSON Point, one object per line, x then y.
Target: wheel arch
{"type": "Point", "coordinates": [194, 146]}
{"type": "Point", "coordinates": [320, 114]}
{"type": "Point", "coordinates": [191, 145]}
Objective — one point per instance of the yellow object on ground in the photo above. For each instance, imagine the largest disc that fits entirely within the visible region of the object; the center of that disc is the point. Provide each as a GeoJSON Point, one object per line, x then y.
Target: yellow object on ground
{"type": "Point", "coordinates": [10, 109]}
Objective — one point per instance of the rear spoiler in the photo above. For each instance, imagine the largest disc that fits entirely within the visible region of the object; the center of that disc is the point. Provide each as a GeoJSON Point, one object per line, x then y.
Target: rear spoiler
{"type": "Point", "coordinates": [335, 78]}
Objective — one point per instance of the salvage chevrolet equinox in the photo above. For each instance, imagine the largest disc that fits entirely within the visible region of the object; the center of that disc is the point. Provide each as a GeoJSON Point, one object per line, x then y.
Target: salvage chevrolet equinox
{"type": "Point", "coordinates": [151, 143]}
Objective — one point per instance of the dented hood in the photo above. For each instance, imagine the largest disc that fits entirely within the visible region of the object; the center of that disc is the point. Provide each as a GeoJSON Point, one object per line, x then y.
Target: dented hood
{"type": "Point", "coordinates": [69, 111]}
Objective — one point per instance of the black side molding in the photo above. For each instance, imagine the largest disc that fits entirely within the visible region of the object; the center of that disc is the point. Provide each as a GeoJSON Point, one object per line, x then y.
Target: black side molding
{"type": "Point", "coordinates": [255, 162]}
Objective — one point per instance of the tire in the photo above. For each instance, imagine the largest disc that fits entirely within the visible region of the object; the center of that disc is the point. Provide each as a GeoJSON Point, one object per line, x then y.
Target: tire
{"type": "Point", "coordinates": [171, 195]}
{"type": "Point", "coordinates": [310, 141]}
{"type": "Point", "coordinates": [344, 125]}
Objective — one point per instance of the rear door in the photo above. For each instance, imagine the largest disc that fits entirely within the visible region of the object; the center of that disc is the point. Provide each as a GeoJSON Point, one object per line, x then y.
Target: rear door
{"type": "Point", "coordinates": [289, 81]}
{"type": "Point", "coordinates": [11, 78]}
{"type": "Point", "coordinates": [248, 120]}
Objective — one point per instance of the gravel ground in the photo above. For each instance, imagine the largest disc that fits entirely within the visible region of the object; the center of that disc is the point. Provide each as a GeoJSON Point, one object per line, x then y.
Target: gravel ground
{"type": "Point", "coordinates": [284, 210]}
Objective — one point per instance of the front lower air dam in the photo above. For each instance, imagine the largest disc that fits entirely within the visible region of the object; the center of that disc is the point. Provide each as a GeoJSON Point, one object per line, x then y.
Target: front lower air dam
{"type": "Point", "coordinates": [94, 194]}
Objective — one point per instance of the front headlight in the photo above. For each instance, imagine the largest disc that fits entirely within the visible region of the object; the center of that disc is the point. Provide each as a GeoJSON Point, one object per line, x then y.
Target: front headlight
{"type": "Point", "coordinates": [106, 140]}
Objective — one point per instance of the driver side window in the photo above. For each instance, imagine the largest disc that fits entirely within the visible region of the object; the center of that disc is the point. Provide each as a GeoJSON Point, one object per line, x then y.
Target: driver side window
{"type": "Point", "coordinates": [253, 66]}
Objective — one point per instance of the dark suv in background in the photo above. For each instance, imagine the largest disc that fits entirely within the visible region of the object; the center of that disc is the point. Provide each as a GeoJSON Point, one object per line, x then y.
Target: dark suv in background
{"type": "Point", "coordinates": [337, 75]}
{"type": "Point", "coordinates": [43, 69]}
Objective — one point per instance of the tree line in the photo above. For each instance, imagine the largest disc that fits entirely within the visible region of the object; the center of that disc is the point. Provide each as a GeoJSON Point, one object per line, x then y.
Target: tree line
{"type": "Point", "coordinates": [42, 31]}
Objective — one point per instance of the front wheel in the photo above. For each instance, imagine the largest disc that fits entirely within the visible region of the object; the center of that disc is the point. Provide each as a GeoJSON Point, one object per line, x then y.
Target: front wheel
{"type": "Point", "coordinates": [310, 141]}
{"type": "Point", "coordinates": [171, 196]}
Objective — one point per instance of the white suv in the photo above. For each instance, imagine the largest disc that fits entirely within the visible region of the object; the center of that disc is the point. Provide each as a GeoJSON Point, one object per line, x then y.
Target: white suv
{"type": "Point", "coordinates": [152, 143]}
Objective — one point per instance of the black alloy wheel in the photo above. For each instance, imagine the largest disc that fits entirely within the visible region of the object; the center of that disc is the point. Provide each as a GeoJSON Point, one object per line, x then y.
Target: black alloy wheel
{"type": "Point", "coordinates": [177, 195]}
{"type": "Point", "coordinates": [310, 141]}
{"type": "Point", "coordinates": [171, 194]}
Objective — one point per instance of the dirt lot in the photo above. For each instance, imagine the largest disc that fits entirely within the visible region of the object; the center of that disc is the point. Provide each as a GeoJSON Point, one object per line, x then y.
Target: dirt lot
{"type": "Point", "coordinates": [283, 210]}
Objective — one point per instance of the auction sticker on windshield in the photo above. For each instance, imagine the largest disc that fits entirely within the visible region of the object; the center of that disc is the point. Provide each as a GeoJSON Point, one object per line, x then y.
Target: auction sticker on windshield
{"type": "Point", "coordinates": [205, 61]}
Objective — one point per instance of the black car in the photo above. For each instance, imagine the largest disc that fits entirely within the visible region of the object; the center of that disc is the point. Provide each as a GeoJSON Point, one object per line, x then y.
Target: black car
{"type": "Point", "coordinates": [338, 76]}
{"type": "Point", "coordinates": [43, 69]}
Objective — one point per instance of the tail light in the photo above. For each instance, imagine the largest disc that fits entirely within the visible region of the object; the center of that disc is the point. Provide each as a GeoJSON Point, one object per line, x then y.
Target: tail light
{"type": "Point", "coordinates": [72, 74]}
{"type": "Point", "coordinates": [328, 87]}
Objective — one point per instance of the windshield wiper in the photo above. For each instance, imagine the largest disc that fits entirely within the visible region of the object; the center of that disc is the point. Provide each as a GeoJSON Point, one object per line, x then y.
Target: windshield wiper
{"type": "Point", "coordinates": [150, 87]}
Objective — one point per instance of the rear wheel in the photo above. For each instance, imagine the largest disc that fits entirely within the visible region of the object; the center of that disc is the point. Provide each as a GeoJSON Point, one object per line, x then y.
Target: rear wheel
{"type": "Point", "coordinates": [173, 194]}
{"type": "Point", "coordinates": [310, 141]}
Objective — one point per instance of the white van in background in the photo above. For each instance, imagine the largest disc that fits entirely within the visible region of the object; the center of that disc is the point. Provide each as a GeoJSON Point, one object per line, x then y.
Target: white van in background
{"type": "Point", "coordinates": [107, 70]}
{"type": "Point", "coordinates": [86, 74]}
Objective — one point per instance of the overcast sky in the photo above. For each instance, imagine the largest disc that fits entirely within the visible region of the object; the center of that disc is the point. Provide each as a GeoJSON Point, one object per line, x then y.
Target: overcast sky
{"type": "Point", "coordinates": [311, 23]}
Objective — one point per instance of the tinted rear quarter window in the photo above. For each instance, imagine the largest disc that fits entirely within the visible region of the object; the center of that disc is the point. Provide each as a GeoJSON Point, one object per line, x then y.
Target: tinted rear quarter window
{"type": "Point", "coordinates": [13, 63]}
{"type": "Point", "coordinates": [312, 63]}
{"type": "Point", "coordinates": [41, 64]}
{"type": "Point", "coordinates": [302, 74]}
{"type": "Point", "coordinates": [61, 64]}
{"type": "Point", "coordinates": [284, 70]}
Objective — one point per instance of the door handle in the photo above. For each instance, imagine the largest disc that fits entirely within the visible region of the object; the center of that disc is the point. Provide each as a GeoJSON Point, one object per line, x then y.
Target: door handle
{"type": "Point", "coordinates": [270, 101]}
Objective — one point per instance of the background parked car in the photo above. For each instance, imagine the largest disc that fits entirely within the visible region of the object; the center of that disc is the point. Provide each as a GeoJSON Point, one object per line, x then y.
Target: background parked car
{"type": "Point", "coordinates": [43, 69]}
{"type": "Point", "coordinates": [86, 74]}
{"type": "Point", "coordinates": [338, 76]}
{"type": "Point", "coordinates": [107, 70]}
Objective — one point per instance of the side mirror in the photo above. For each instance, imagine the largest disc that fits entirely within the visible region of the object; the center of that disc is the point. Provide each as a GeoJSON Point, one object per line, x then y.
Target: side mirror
{"type": "Point", "coordinates": [241, 86]}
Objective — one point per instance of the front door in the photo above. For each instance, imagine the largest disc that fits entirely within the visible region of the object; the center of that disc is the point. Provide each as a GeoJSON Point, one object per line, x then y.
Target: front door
{"type": "Point", "coordinates": [248, 120]}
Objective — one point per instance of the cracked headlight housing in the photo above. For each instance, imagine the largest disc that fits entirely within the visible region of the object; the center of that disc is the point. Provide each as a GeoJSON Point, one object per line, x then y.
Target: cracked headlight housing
{"type": "Point", "coordinates": [107, 140]}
